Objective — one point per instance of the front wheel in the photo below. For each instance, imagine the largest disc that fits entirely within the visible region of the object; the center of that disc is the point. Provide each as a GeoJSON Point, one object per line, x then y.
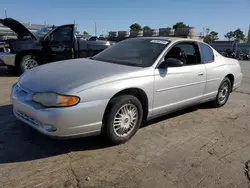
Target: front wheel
{"type": "Point", "coordinates": [123, 119]}
{"type": "Point", "coordinates": [223, 93]}
{"type": "Point", "coordinates": [28, 62]}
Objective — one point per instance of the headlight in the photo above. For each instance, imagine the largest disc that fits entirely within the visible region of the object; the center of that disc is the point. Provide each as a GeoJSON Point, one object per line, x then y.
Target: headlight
{"type": "Point", "coordinates": [108, 43]}
{"type": "Point", "coordinates": [55, 100]}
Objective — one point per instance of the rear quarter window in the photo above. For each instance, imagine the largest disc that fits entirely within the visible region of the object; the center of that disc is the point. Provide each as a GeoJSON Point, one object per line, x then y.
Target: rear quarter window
{"type": "Point", "coordinates": [207, 53]}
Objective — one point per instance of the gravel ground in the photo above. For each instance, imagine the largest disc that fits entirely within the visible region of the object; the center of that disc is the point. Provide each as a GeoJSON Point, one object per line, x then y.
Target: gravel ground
{"type": "Point", "coordinates": [196, 147]}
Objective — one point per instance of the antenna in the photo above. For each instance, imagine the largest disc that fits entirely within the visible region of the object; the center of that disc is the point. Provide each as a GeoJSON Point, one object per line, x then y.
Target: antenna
{"type": "Point", "coordinates": [5, 13]}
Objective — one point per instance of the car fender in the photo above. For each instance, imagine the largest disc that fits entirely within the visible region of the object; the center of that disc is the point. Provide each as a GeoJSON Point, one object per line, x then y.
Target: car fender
{"type": "Point", "coordinates": [108, 90]}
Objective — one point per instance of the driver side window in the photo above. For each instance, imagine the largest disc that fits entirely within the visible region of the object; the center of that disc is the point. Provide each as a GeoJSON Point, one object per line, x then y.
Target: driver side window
{"type": "Point", "coordinates": [62, 34]}
{"type": "Point", "coordinates": [186, 52]}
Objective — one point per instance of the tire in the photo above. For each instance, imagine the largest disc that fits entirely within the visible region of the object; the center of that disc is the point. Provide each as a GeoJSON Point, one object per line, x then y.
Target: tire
{"type": "Point", "coordinates": [28, 62]}
{"type": "Point", "coordinates": [118, 136]}
{"type": "Point", "coordinates": [223, 93]}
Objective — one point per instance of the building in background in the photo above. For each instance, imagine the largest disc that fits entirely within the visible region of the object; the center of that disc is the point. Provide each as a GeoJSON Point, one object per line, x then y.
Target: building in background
{"type": "Point", "coordinates": [223, 45]}
{"type": "Point", "coordinates": [187, 32]}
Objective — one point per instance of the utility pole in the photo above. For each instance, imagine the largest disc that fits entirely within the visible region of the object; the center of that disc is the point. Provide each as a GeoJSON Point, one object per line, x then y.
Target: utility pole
{"type": "Point", "coordinates": [95, 30]}
{"type": "Point", "coordinates": [5, 13]}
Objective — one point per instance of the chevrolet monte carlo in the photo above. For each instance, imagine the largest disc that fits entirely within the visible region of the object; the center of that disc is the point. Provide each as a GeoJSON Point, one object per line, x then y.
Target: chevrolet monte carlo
{"type": "Point", "coordinates": [114, 91]}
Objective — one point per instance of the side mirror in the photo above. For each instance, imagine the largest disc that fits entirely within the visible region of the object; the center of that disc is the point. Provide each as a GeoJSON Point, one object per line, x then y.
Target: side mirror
{"type": "Point", "coordinates": [171, 62]}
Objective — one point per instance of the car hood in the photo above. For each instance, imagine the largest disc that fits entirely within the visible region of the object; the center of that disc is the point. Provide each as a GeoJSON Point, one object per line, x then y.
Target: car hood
{"type": "Point", "coordinates": [65, 76]}
{"type": "Point", "coordinates": [16, 26]}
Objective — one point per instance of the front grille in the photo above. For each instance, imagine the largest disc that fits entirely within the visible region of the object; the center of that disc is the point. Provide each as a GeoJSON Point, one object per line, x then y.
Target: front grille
{"type": "Point", "coordinates": [27, 118]}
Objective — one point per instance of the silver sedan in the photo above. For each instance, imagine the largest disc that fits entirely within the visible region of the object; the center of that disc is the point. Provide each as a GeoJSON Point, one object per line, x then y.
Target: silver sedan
{"type": "Point", "coordinates": [112, 92]}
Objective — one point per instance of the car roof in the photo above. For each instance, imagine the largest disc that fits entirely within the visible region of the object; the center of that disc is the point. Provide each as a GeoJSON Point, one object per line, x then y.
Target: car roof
{"type": "Point", "coordinates": [172, 39]}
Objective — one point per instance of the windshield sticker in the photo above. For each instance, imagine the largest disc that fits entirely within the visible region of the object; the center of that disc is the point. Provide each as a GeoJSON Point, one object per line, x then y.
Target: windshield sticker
{"type": "Point", "coordinates": [160, 41]}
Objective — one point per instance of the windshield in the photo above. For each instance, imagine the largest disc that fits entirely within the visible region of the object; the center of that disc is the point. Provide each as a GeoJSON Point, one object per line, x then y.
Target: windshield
{"type": "Point", "coordinates": [134, 52]}
{"type": "Point", "coordinates": [42, 32]}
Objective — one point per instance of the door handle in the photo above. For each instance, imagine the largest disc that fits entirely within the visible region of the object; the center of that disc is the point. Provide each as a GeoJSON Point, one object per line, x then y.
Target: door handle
{"type": "Point", "coordinates": [201, 74]}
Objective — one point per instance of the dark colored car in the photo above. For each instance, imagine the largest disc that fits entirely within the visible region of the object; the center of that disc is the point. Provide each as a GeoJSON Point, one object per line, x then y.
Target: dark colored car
{"type": "Point", "coordinates": [47, 45]}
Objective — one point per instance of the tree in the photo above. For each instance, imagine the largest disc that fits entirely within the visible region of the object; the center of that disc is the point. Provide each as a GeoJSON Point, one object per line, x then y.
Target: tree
{"type": "Point", "coordinates": [146, 28]}
{"type": "Point", "coordinates": [229, 35]}
{"type": "Point", "coordinates": [206, 31]}
{"type": "Point", "coordinates": [238, 34]}
{"type": "Point", "coordinates": [135, 27]}
{"type": "Point", "coordinates": [179, 25]}
{"type": "Point", "coordinates": [85, 33]}
{"type": "Point", "coordinates": [212, 36]}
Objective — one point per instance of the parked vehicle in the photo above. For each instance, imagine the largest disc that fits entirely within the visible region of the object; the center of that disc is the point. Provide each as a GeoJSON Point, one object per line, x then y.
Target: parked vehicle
{"type": "Point", "coordinates": [230, 53]}
{"type": "Point", "coordinates": [222, 53]}
{"type": "Point", "coordinates": [243, 55]}
{"type": "Point", "coordinates": [95, 38]}
{"type": "Point", "coordinates": [113, 91]}
{"type": "Point", "coordinates": [46, 45]}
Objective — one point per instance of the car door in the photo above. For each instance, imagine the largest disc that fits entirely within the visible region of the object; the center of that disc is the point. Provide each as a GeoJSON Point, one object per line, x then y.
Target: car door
{"type": "Point", "coordinates": [59, 44]}
{"type": "Point", "coordinates": [177, 87]}
{"type": "Point", "coordinates": [213, 70]}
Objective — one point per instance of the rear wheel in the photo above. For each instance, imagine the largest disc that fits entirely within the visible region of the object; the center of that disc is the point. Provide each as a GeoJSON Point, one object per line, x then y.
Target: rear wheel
{"type": "Point", "coordinates": [28, 62]}
{"type": "Point", "coordinates": [223, 93]}
{"type": "Point", "coordinates": [123, 119]}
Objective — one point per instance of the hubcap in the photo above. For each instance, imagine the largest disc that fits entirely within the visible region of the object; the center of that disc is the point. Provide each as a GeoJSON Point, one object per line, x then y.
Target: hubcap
{"type": "Point", "coordinates": [223, 93]}
{"type": "Point", "coordinates": [30, 63]}
{"type": "Point", "coordinates": [125, 120]}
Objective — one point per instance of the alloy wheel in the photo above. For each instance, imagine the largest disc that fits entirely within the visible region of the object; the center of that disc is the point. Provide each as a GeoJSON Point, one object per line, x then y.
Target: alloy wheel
{"type": "Point", "coordinates": [30, 63]}
{"type": "Point", "coordinates": [223, 92]}
{"type": "Point", "coordinates": [125, 120]}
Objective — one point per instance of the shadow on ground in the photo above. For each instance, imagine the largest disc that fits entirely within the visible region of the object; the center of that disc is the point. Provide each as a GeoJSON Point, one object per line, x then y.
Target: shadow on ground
{"type": "Point", "coordinates": [177, 113]}
{"type": "Point", "coordinates": [4, 72]}
{"type": "Point", "coordinates": [19, 142]}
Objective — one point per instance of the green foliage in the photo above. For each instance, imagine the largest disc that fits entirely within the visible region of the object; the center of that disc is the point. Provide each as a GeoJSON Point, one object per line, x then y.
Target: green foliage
{"type": "Point", "coordinates": [85, 33]}
{"type": "Point", "coordinates": [238, 34]}
{"type": "Point", "coordinates": [235, 35]}
{"type": "Point", "coordinates": [146, 28]}
{"type": "Point", "coordinates": [179, 25]}
{"type": "Point", "coordinates": [206, 31]}
{"type": "Point", "coordinates": [229, 35]}
{"type": "Point", "coordinates": [212, 36]}
{"type": "Point", "coordinates": [135, 27]}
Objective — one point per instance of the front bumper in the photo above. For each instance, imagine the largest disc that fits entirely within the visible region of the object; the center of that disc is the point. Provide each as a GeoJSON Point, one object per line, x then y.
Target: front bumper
{"type": "Point", "coordinates": [84, 119]}
{"type": "Point", "coordinates": [8, 58]}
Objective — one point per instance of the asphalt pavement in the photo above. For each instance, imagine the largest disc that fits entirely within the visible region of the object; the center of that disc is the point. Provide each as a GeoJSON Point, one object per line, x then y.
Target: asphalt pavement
{"type": "Point", "coordinates": [196, 147]}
